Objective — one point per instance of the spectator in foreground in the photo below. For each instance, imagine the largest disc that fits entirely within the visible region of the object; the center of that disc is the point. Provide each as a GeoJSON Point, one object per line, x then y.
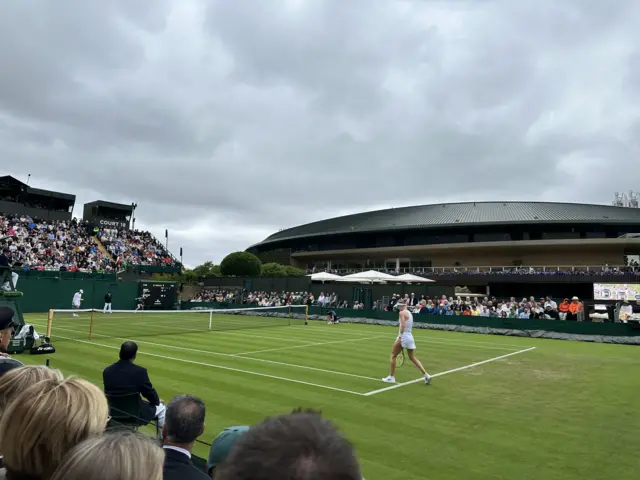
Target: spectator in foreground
{"type": "Point", "coordinates": [124, 377]}
{"type": "Point", "coordinates": [222, 446]}
{"type": "Point", "coordinates": [45, 421]}
{"type": "Point", "coordinates": [183, 424]}
{"type": "Point", "coordinates": [298, 446]}
{"type": "Point", "coordinates": [122, 455]}
{"type": "Point", "coordinates": [8, 364]}
{"type": "Point", "coordinates": [6, 328]}
{"type": "Point", "coordinates": [19, 379]}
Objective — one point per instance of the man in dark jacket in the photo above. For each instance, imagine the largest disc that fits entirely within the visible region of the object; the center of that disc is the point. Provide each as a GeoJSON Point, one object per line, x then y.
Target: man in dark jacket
{"type": "Point", "coordinates": [125, 377]}
{"type": "Point", "coordinates": [184, 423]}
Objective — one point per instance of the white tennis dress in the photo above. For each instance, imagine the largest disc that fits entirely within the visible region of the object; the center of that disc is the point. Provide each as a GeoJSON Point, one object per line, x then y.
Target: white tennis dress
{"type": "Point", "coordinates": [406, 339]}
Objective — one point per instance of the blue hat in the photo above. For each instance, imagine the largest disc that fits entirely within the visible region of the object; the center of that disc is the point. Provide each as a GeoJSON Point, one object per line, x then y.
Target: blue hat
{"type": "Point", "coordinates": [223, 444]}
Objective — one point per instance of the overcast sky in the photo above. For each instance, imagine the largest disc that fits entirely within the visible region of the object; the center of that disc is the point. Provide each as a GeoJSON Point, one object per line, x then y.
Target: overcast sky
{"type": "Point", "coordinates": [229, 120]}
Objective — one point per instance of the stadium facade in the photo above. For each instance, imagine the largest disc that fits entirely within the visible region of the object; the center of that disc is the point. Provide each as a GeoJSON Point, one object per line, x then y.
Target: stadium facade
{"type": "Point", "coordinates": [462, 235]}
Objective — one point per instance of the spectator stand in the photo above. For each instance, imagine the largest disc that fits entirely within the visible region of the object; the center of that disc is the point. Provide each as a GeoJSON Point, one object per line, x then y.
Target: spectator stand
{"type": "Point", "coordinates": [51, 245]}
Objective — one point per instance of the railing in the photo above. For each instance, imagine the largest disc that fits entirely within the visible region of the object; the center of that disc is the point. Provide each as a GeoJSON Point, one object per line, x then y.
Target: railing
{"type": "Point", "coordinates": [498, 270]}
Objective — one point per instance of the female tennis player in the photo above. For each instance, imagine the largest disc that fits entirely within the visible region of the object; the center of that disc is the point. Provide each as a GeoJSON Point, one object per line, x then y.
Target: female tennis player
{"type": "Point", "coordinates": [405, 341]}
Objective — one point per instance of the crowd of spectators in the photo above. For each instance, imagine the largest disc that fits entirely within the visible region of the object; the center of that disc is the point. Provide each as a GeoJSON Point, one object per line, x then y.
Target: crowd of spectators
{"type": "Point", "coordinates": [51, 245]}
{"type": "Point", "coordinates": [71, 246]}
{"type": "Point", "coordinates": [266, 299]}
{"type": "Point", "coordinates": [527, 308]}
{"type": "Point", "coordinates": [550, 271]}
{"type": "Point", "coordinates": [135, 247]}
{"type": "Point", "coordinates": [57, 428]}
{"type": "Point", "coordinates": [545, 308]}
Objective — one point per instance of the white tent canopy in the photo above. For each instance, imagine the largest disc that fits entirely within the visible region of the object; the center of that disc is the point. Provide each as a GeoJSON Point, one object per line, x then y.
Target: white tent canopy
{"type": "Point", "coordinates": [324, 277]}
{"type": "Point", "coordinates": [409, 278]}
{"type": "Point", "coordinates": [371, 276]}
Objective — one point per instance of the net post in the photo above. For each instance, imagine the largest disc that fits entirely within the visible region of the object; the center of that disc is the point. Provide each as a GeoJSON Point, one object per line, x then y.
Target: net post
{"type": "Point", "coordinates": [91, 325]}
{"type": "Point", "coordinates": [49, 323]}
{"type": "Point", "coordinates": [306, 314]}
{"type": "Point", "coordinates": [210, 319]}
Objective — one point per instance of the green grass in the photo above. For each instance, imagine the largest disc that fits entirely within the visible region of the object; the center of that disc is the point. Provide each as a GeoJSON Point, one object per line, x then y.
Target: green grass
{"type": "Point", "coordinates": [565, 410]}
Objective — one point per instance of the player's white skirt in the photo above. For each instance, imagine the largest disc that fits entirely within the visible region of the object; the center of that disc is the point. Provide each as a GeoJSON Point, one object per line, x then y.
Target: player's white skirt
{"type": "Point", "coordinates": [407, 341]}
{"type": "Point", "coordinates": [76, 305]}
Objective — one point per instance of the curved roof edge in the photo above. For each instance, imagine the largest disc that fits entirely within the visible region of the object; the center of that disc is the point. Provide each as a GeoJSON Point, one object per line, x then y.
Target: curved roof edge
{"type": "Point", "coordinates": [458, 214]}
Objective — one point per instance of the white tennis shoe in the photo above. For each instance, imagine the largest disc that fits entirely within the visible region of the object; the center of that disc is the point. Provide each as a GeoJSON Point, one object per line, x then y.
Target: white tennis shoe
{"type": "Point", "coordinates": [389, 379]}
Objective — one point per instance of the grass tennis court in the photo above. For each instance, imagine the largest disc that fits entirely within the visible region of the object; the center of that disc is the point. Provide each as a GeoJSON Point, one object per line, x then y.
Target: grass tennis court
{"type": "Point", "coordinates": [534, 409]}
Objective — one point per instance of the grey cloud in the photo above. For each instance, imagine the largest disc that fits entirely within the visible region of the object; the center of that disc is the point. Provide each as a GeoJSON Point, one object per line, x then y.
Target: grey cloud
{"type": "Point", "coordinates": [246, 117]}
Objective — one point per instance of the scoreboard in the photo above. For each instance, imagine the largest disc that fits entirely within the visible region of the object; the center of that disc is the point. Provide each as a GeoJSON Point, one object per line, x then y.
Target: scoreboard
{"type": "Point", "coordinates": [158, 295]}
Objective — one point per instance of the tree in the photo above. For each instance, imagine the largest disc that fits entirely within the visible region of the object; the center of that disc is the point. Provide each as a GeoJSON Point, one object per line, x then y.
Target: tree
{"type": "Point", "coordinates": [207, 269]}
{"type": "Point", "coordinates": [294, 271]}
{"type": "Point", "coordinates": [273, 270]}
{"type": "Point", "coordinates": [241, 264]}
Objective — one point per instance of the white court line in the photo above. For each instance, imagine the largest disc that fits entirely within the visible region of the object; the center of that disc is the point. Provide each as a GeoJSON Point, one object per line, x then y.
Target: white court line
{"type": "Point", "coordinates": [222, 367]}
{"type": "Point", "coordinates": [421, 379]}
{"type": "Point", "coordinates": [234, 356]}
{"type": "Point", "coordinates": [309, 345]}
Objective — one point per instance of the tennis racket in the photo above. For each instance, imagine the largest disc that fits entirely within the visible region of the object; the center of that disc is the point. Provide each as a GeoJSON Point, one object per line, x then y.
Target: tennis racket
{"type": "Point", "coordinates": [400, 358]}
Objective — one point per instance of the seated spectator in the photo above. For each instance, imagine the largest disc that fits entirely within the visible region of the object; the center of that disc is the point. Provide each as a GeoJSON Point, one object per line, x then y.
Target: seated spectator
{"type": "Point", "coordinates": [122, 455]}
{"type": "Point", "coordinates": [19, 379]}
{"type": "Point", "coordinates": [298, 446]}
{"type": "Point", "coordinates": [222, 446]}
{"type": "Point", "coordinates": [45, 421]}
{"type": "Point", "coordinates": [125, 377]}
{"type": "Point", "coordinates": [135, 247]}
{"type": "Point", "coordinates": [550, 313]}
{"type": "Point", "coordinates": [52, 245]}
{"type": "Point", "coordinates": [183, 424]}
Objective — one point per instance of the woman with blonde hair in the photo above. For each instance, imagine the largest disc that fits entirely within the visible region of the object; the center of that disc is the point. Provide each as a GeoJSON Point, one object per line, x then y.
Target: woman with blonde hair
{"type": "Point", "coordinates": [45, 421]}
{"type": "Point", "coordinates": [121, 455]}
{"type": "Point", "coordinates": [17, 380]}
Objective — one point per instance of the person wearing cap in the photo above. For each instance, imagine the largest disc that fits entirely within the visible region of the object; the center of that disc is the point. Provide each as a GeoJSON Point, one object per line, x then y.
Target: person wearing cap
{"type": "Point", "coordinates": [222, 446]}
{"type": "Point", "coordinates": [76, 301]}
{"type": "Point", "coordinates": [575, 307]}
{"type": "Point", "coordinates": [7, 364]}
{"type": "Point", "coordinates": [5, 265]}
{"type": "Point", "coordinates": [6, 328]}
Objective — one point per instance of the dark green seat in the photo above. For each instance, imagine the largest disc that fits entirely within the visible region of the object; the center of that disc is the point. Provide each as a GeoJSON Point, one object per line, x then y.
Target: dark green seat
{"type": "Point", "coordinates": [124, 411]}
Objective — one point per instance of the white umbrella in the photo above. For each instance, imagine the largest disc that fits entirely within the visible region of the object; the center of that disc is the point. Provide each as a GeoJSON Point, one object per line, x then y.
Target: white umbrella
{"type": "Point", "coordinates": [409, 278]}
{"type": "Point", "coordinates": [368, 276]}
{"type": "Point", "coordinates": [324, 277]}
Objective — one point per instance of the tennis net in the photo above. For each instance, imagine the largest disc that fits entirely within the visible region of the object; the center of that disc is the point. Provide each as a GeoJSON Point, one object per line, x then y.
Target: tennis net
{"type": "Point", "coordinates": [94, 324]}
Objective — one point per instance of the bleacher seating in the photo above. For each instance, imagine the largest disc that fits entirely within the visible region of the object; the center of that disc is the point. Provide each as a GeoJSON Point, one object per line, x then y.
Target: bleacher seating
{"type": "Point", "coordinates": [71, 246]}
{"type": "Point", "coordinates": [52, 245]}
{"type": "Point", "coordinates": [135, 247]}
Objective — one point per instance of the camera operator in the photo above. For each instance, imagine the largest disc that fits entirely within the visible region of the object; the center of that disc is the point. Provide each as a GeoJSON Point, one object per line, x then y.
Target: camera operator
{"type": "Point", "coordinates": [5, 266]}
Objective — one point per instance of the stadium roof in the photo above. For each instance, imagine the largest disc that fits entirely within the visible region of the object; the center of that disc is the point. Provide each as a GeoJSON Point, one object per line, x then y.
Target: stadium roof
{"type": "Point", "coordinates": [459, 214]}
{"type": "Point", "coordinates": [9, 180]}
